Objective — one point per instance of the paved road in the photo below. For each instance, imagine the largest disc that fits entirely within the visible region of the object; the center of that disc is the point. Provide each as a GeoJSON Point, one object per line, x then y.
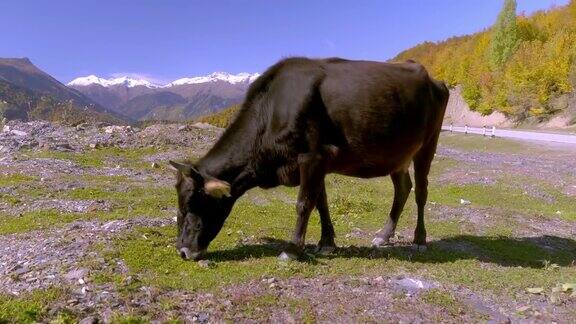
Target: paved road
{"type": "Point", "coordinates": [525, 135]}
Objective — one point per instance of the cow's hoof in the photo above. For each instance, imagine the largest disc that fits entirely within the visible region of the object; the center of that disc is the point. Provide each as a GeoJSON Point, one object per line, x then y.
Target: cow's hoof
{"type": "Point", "coordinates": [287, 256]}
{"type": "Point", "coordinates": [379, 242]}
{"type": "Point", "coordinates": [419, 247]}
{"type": "Point", "coordinates": [325, 249]}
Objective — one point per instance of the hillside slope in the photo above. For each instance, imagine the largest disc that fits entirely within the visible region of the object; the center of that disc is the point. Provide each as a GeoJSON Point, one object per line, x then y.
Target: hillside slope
{"type": "Point", "coordinates": [535, 84]}
{"type": "Point", "coordinates": [26, 92]}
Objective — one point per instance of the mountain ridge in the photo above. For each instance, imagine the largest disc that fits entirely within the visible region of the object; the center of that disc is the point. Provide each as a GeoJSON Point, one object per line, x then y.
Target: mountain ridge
{"type": "Point", "coordinates": [180, 99]}
{"type": "Point", "coordinates": [134, 82]}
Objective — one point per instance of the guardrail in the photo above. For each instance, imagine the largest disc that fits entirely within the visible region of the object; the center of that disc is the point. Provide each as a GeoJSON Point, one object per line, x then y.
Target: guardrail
{"type": "Point", "coordinates": [525, 135]}
{"type": "Point", "coordinates": [485, 131]}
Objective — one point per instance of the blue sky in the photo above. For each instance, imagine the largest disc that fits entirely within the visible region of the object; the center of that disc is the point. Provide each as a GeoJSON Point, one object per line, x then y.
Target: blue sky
{"type": "Point", "coordinates": [164, 40]}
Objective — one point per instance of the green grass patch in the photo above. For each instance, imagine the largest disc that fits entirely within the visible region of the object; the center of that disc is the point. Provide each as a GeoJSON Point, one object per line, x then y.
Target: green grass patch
{"type": "Point", "coordinates": [471, 142]}
{"type": "Point", "coordinates": [27, 308]}
{"type": "Point", "coordinates": [16, 179]}
{"type": "Point", "coordinates": [443, 299]}
{"type": "Point", "coordinates": [505, 196]}
{"type": "Point", "coordinates": [36, 220]}
{"type": "Point", "coordinates": [496, 263]}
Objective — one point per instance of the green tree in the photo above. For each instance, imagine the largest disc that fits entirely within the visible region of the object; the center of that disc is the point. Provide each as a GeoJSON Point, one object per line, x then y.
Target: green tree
{"type": "Point", "coordinates": [505, 36]}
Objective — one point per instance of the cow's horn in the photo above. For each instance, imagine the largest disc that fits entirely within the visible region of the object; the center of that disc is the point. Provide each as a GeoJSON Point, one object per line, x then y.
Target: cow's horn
{"type": "Point", "coordinates": [217, 188]}
{"type": "Point", "coordinates": [185, 169]}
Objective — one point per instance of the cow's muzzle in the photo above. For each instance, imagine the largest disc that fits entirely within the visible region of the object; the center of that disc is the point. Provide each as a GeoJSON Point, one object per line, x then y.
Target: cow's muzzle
{"type": "Point", "coordinates": [186, 254]}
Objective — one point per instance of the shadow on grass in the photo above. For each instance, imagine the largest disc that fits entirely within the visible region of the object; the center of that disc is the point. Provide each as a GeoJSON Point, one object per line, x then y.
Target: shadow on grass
{"type": "Point", "coordinates": [531, 252]}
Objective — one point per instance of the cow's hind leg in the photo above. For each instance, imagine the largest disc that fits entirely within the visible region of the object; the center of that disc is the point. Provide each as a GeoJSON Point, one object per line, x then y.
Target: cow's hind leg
{"type": "Point", "coordinates": [312, 173]}
{"type": "Point", "coordinates": [402, 187]}
{"type": "Point", "coordinates": [422, 162]}
{"type": "Point", "coordinates": [326, 244]}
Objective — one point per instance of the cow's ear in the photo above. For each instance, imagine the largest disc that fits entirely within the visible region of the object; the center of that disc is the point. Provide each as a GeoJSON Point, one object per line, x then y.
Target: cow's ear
{"type": "Point", "coordinates": [217, 188]}
{"type": "Point", "coordinates": [187, 170]}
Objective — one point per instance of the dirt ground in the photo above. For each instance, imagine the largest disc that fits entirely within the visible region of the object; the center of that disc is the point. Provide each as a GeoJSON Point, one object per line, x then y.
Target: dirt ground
{"type": "Point", "coordinates": [87, 228]}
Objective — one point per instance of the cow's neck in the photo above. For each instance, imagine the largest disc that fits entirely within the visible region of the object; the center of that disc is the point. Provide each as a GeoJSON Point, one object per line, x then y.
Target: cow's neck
{"type": "Point", "coordinates": [230, 158]}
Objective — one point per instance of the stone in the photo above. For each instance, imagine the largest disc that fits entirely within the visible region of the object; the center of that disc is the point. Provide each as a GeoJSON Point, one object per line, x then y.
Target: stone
{"type": "Point", "coordinates": [76, 274]}
{"type": "Point", "coordinates": [89, 320]}
{"type": "Point", "coordinates": [206, 263]}
{"type": "Point", "coordinates": [412, 284]}
{"type": "Point", "coordinates": [204, 126]}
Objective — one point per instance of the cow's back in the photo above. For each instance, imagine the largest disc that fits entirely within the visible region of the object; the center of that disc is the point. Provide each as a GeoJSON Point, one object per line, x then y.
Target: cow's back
{"type": "Point", "coordinates": [384, 112]}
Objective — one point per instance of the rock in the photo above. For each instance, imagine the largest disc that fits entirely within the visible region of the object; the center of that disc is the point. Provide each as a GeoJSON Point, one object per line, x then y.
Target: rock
{"type": "Point", "coordinates": [183, 128]}
{"type": "Point", "coordinates": [82, 126]}
{"type": "Point", "coordinates": [64, 147]}
{"type": "Point", "coordinates": [284, 257]}
{"type": "Point", "coordinates": [20, 270]}
{"type": "Point", "coordinates": [110, 225]}
{"type": "Point", "coordinates": [204, 126]}
{"type": "Point", "coordinates": [18, 133]}
{"type": "Point", "coordinates": [117, 129]}
{"type": "Point", "coordinates": [89, 320]}
{"type": "Point", "coordinates": [203, 317]}
{"type": "Point", "coordinates": [76, 274]}
{"type": "Point", "coordinates": [95, 145]}
{"type": "Point", "coordinates": [155, 165]}
{"type": "Point", "coordinates": [206, 263]}
{"type": "Point", "coordinates": [412, 284]}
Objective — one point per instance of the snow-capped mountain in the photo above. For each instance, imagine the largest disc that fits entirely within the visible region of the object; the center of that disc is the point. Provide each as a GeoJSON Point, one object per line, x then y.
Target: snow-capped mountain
{"type": "Point", "coordinates": [217, 76]}
{"type": "Point", "coordinates": [125, 81]}
{"type": "Point", "coordinates": [131, 82]}
{"type": "Point", "coordinates": [180, 99]}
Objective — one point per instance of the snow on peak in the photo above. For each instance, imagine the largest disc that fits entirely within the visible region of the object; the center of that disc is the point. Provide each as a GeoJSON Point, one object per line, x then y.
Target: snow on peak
{"type": "Point", "coordinates": [129, 82]}
{"type": "Point", "coordinates": [217, 76]}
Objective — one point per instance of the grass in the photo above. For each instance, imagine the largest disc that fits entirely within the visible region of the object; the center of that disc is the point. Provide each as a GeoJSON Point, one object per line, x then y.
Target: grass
{"type": "Point", "coordinates": [443, 299]}
{"type": "Point", "coordinates": [27, 308]}
{"type": "Point", "coordinates": [36, 220]}
{"type": "Point", "coordinates": [493, 262]}
{"type": "Point", "coordinates": [16, 179]}
{"type": "Point", "coordinates": [253, 236]}
{"type": "Point", "coordinates": [479, 143]}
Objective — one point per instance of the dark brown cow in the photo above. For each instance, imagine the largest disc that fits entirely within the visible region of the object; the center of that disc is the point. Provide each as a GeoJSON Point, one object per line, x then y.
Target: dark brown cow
{"type": "Point", "coordinates": [303, 119]}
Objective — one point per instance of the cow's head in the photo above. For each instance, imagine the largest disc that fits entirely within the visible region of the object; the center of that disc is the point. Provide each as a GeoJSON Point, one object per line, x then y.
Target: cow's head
{"type": "Point", "coordinates": [204, 203]}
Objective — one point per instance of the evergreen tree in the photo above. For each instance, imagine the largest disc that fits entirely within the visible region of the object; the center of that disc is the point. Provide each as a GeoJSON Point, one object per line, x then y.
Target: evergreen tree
{"type": "Point", "coordinates": [505, 38]}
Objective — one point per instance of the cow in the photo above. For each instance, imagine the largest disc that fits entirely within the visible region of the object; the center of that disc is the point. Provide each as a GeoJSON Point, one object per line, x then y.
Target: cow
{"type": "Point", "coordinates": [303, 119]}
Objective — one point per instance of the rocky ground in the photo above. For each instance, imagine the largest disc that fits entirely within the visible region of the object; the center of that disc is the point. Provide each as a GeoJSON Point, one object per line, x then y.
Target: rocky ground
{"type": "Point", "coordinates": [87, 228]}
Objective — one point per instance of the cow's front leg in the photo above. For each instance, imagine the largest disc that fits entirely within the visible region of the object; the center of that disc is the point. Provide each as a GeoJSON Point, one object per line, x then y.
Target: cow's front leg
{"type": "Point", "coordinates": [312, 172]}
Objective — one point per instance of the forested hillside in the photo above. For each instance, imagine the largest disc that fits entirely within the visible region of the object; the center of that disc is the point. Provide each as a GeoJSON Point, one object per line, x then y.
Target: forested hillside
{"type": "Point", "coordinates": [523, 66]}
{"type": "Point", "coordinates": [25, 104]}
